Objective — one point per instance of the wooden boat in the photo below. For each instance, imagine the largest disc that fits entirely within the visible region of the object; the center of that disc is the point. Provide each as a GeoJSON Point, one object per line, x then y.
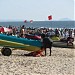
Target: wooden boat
{"type": "Point", "coordinates": [18, 43]}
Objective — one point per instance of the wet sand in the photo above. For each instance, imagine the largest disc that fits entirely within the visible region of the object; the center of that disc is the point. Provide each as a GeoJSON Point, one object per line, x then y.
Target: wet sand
{"type": "Point", "coordinates": [60, 63]}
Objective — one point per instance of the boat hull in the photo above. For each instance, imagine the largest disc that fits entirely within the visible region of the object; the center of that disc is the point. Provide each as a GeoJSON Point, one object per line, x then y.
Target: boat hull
{"type": "Point", "coordinates": [20, 43]}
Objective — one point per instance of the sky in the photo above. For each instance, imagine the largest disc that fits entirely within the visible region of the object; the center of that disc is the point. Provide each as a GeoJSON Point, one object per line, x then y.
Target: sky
{"type": "Point", "coordinates": [38, 10]}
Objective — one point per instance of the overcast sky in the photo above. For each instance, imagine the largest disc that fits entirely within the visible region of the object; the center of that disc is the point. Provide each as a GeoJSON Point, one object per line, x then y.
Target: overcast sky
{"type": "Point", "coordinates": [19, 10]}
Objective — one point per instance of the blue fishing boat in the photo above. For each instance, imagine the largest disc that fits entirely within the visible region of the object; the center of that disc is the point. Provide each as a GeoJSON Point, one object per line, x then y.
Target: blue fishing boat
{"type": "Point", "coordinates": [8, 42]}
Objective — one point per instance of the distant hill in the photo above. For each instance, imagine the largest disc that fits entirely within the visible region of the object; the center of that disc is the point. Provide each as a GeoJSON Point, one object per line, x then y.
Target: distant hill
{"type": "Point", "coordinates": [65, 19]}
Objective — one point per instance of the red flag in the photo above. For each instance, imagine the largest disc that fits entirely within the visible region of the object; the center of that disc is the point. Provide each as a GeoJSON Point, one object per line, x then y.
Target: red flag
{"type": "Point", "coordinates": [50, 17]}
{"type": "Point", "coordinates": [25, 21]}
{"type": "Point", "coordinates": [31, 21]}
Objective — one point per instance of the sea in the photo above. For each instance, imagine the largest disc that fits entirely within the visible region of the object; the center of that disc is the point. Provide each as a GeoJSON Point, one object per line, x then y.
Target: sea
{"type": "Point", "coordinates": [37, 24]}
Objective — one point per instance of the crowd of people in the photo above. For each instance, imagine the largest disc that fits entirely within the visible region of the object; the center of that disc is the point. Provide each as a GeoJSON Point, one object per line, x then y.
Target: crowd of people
{"type": "Point", "coordinates": [22, 30]}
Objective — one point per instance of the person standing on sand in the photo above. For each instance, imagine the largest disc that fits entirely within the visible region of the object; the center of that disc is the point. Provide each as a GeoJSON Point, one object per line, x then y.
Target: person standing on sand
{"type": "Point", "coordinates": [22, 32]}
{"type": "Point", "coordinates": [47, 43]}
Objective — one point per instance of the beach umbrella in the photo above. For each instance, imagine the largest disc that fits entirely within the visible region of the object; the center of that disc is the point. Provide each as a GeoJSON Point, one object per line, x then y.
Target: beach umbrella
{"type": "Point", "coordinates": [7, 29]}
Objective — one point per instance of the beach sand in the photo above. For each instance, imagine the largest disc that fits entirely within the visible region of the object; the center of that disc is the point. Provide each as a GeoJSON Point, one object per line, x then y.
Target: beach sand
{"type": "Point", "coordinates": [60, 63]}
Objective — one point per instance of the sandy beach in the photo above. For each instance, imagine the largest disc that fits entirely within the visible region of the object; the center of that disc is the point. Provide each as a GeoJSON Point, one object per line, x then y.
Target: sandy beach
{"type": "Point", "coordinates": [60, 63]}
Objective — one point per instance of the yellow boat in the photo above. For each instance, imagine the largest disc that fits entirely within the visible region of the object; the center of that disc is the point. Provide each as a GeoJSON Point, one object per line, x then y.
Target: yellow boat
{"type": "Point", "coordinates": [8, 42]}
